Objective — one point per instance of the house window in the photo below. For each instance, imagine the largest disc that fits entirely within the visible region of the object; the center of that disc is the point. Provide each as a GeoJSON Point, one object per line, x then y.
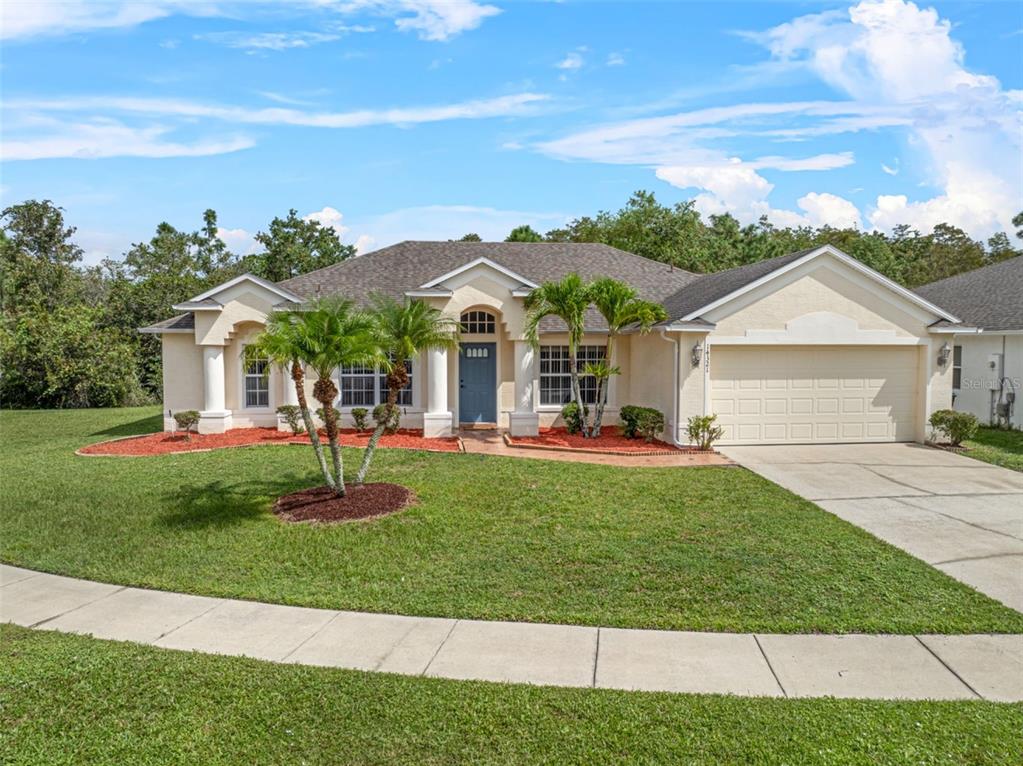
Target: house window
{"type": "Point", "coordinates": [556, 378]}
{"type": "Point", "coordinates": [363, 386]}
{"type": "Point", "coordinates": [957, 367]}
{"type": "Point", "coordinates": [478, 323]}
{"type": "Point", "coordinates": [257, 383]}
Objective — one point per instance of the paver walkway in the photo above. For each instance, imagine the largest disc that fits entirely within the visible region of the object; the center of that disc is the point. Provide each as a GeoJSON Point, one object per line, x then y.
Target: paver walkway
{"type": "Point", "coordinates": [864, 666]}
{"type": "Point", "coordinates": [492, 443]}
{"type": "Point", "coordinates": [958, 514]}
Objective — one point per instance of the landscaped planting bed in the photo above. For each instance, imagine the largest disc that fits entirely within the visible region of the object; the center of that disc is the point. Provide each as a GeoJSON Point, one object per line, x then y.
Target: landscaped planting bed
{"type": "Point", "coordinates": [75, 700]}
{"type": "Point", "coordinates": [488, 537]}
{"type": "Point", "coordinates": [163, 443]}
{"type": "Point", "coordinates": [323, 504]}
{"type": "Point", "coordinates": [610, 442]}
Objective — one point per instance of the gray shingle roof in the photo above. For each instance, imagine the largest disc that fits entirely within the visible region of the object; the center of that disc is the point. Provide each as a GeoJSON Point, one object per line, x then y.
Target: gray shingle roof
{"type": "Point", "coordinates": [710, 287]}
{"type": "Point", "coordinates": [180, 322]}
{"type": "Point", "coordinates": [407, 265]}
{"type": "Point", "coordinates": [990, 297]}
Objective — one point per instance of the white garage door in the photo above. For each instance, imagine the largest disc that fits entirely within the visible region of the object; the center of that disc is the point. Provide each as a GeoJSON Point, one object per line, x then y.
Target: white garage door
{"type": "Point", "coordinates": [778, 394]}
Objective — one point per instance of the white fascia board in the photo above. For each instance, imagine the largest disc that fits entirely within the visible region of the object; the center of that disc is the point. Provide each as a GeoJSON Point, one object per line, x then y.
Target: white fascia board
{"type": "Point", "coordinates": [196, 306]}
{"type": "Point", "coordinates": [161, 331]}
{"type": "Point", "coordinates": [521, 292]}
{"type": "Point", "coordinates": [287, 295]}
{"type": "Point", "coordinates": [846, 259]}
{"type": "Point", "coordinates": [473, 264]}
{"type": "Point", "coordinates": [428, 293]}
{"type": "Point", "coordinates": [956, 330]}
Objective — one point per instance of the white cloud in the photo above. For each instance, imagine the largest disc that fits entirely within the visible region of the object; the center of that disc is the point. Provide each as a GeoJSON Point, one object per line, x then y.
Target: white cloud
{"type": "Point", "coordinates": [107, 138]}
{"type": "Point", "coordinates": [436, 20]}
{"type": "Point", "coordinates": [891, 170]}
{"type": "Point", "coordinates": [501, 106]}
{"type": "Point", "coordinates": [37, 18]}
{"type": "Point", "coordinates": [268, 41]}
{"type": "Point", "coordinates": [238, 241]}
{"type": "Point", "coordinates": [329, 218]}
{"type": "Point", "coordinates": [615, 59]}
{"type": "Point", "coordinates": [571, 62]}
{"type": "Point", "coordinates": [830, 210]}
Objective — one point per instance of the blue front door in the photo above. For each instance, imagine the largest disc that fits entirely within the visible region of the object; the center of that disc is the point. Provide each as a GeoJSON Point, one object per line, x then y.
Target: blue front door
{"type": "Point", "coordinates": [477, 383]}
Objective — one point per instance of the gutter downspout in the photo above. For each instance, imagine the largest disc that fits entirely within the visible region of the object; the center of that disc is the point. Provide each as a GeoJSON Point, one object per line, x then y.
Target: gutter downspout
{"type": "Point", "coordinates": [674, 389]}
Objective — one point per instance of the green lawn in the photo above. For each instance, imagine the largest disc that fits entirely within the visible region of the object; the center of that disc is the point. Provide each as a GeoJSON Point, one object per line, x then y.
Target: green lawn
{"type": "Point", "coordinates": [993, 445]}
{"type": "Point", "coordinates": [492, 538]}
{"type": "Point", "coordinates": [74, 700]}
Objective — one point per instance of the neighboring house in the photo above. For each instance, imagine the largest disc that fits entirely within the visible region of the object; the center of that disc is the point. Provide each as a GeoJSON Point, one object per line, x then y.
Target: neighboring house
{"type": "Point", "coordinates": [988, 366]}
{"type": "Point", "coordinates": [809, 347]}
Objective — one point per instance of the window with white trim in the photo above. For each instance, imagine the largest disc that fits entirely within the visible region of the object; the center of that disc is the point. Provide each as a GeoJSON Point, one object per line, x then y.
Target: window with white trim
{"type": "Point", "coordinates": [957, 367]}
{"type": "Point", "coordinates": [257, 383]}
{"type": "Point", "coordinates": [366, 386]}
{"type": "Point", "coordinates": [556, 377]}
{"type": "Point", "coordinates": [478, 323]}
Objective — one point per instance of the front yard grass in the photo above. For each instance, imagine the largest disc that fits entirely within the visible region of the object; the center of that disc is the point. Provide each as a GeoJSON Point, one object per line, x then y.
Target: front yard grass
{"type": "Point", "coordinates": [74, 700]}
{"type": "Point", "coordinates": [999, 447]}
{"type": "Point", "coordinates": [491, 538]}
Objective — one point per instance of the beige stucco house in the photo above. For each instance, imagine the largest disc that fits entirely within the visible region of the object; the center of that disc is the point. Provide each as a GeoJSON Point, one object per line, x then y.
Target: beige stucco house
{"type": "Point", "coordinates": [809, 347]}
{"type": "Point", "coordinates": [987, 366]}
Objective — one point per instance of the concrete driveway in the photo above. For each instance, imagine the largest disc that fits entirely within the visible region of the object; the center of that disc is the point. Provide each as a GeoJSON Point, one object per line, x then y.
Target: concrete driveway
{"type": "Point", "coordinates": [957, 514]}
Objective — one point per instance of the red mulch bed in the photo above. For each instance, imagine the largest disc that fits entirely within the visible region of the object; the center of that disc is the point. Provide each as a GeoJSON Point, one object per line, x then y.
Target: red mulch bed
{"type": "Point", "coordinates": [163, 443]}
{"type": "Point", "coordinates": [610, 441]}
{"type": "Point", "coordinates": [320, 504]}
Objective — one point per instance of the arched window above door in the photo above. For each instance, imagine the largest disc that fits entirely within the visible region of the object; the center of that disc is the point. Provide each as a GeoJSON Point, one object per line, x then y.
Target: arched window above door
{"type": "Point", "coordinates": [478, 323]}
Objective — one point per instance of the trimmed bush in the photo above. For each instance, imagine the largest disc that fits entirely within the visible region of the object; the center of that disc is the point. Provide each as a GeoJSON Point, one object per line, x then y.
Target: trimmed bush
{"type": "Point", "coordinates": [361, 417]}
{"type": "Point", "coordinates": [573, 420]}
{"type": "Point", "coordinates": [187, 420]}
{"type": "Point", "coordinates": [646, 422]}
{"type": "Point", "coordinates": [702, 432]}
{"type": "Point", "coordinates": [380, 416]}
{"type": "Point", "coordinates": [957, 427]}
{"type": "Point", "coordinates": [292, 415]}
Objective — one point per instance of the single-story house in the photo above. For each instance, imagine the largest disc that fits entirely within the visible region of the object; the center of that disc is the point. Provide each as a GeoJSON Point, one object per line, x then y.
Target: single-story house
{"type": "Point", "coordinates": [813, 346]}
{"type": "Point", "coordinates": [987, 367]}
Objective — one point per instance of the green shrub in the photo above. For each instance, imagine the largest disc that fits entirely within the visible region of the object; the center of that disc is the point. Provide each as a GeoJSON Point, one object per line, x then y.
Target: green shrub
{"type": "Point", "coordinates": [292, 415]}
{"type": "Point", "coordinates": [380, 416]}
{"type": "Point", "coordinates": [957, 427]}
{"type": "Point", "coordinates": [702, 432]}
{"type": "Point", "coordinates": [573, 420]}
{"type": "Point", "coordinates": [187, 420]}
{"type": "Point", "coordinates": [361, 417]}
{"type": "Point", "coordinates": [641, 421]}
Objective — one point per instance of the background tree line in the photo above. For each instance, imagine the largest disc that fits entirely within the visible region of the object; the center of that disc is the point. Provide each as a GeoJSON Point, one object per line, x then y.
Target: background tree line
{"type": "Point", "coordinates": [69, 333]}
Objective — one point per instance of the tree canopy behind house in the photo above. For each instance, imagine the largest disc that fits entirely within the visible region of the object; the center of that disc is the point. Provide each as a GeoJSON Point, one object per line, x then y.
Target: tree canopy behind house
{"type": "Point", "coordinates": [68, 333]}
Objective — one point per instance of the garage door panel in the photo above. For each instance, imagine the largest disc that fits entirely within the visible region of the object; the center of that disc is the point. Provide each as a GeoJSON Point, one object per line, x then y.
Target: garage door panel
{"type": "Point", "coordinates": [813, 394]}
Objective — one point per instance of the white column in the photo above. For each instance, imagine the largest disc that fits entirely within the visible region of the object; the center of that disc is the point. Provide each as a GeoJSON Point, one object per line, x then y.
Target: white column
{"type": "Point", "coordinates": [524, 421]}
{"type": "Point", "coordinates": [437, 420]}
{"type": "Point", "coordinates": [290, 396]}
{"type": "Point", "coordinates": [214, 418]}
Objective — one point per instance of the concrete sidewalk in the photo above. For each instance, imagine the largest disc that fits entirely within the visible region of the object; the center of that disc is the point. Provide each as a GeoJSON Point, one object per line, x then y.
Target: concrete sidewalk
{"type": "Point", "coordinates": [860, 666]}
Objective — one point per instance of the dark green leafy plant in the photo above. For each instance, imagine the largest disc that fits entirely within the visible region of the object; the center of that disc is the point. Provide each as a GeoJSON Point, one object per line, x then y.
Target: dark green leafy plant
{"type": "Point", "coordinates": [574, 417]}
{"type": "Point", "coordinates": [702, 432]}
{"type": "Point", "coordinates": [361, 417]}
{"type": "Point", "coordinates": [292, 415]}
{"type": "Point", "coordinates": [387, 418]}
{"type": "Point", "coordinates": [187, 420]}
{"type": "Point", "coordinates": [957, 427]}
{"type": "Point", "coordinates": [644, 422]}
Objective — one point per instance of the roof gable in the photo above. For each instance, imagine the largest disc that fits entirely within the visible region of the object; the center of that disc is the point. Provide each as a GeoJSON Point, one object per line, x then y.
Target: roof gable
{"type": "Point", "coordinates": [208, 297]}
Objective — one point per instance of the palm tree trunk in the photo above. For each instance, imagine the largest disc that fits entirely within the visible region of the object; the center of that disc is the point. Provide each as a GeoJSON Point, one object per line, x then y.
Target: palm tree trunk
{"type": "Point", "coordinates": [325, 392]}
{"type": "Point", "coordinates": [603, 385]}
{"type": "Point", "coordinates": [298, 376]}
{"type": "Point", "coordinates": [577, 394]}
{"type": "Point", "coordinates": [374, 439]}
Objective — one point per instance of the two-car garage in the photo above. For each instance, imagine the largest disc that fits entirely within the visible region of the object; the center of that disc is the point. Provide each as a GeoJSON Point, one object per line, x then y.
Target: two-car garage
{"type": "Point", "coordinates": [804, 394]}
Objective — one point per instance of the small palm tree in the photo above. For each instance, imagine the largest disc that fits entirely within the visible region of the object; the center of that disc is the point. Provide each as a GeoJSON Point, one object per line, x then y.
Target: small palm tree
{"type": "Point", "coordinates": [331, 333]}
{"type": "Point", "coordinates": [621, 308]}
{"type": "Point", "coordinates": [404, 330]}
{"type": "Point", "coordinates": [283, 343]}
{"type": "Point", "coordinates": [568, 300]}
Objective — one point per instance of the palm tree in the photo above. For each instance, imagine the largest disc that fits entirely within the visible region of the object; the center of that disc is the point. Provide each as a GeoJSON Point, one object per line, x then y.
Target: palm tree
{"type": "Point", "coordinates": [329, 334]}
{"type": "Point", "coordinates": [567, 300]}
{"type": "Point", "coordinates": [404, 330]}
{"type": "Point", "coordinates": [621, 308]}
{"type": "Point", "coordinates": [282, 342]}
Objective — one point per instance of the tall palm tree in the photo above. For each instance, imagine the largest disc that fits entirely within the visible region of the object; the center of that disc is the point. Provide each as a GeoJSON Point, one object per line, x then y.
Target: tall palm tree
{"type": "Point", "coordinates": [282, 342]}
{"type": "Point", "coordinates": [329, 334]}
{"type": "Point", "coordinates": [568, 300]}
{"type": "Point", "coordinates": [621, 307]}
{"type": "Point", "coordinates": [404, 330]}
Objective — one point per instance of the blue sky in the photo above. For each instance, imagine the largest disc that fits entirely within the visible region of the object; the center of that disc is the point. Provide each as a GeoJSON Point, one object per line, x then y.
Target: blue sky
{"type": "Point", "coordinates": [398, 119]}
